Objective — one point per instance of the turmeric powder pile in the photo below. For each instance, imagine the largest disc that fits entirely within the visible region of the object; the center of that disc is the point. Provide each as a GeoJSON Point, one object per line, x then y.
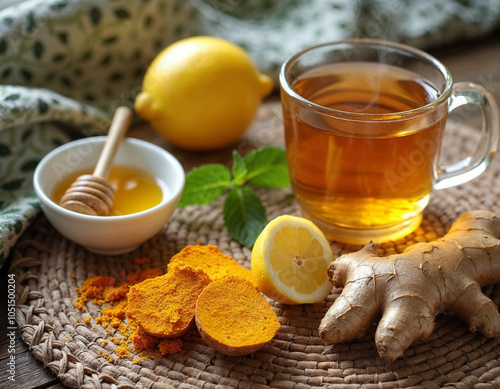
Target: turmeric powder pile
{"type": "Point", "coordinates": [111, 294]}
{"type": "Point", "coordinates": [152, 311]}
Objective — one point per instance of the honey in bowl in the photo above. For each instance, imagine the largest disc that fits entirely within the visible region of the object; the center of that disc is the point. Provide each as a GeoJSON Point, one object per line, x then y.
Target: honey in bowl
{"type": "Point", "coordinates": [135, 189]}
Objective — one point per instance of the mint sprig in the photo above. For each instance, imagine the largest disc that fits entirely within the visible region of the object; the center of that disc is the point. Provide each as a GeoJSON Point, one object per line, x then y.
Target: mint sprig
{"type": "Point", "coordinates": [205, 184]}
{"type": "Point", "coordinates": [244, 213]}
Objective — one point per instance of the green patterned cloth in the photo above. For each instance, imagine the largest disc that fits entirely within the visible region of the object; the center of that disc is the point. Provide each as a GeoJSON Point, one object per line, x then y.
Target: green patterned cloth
{"type": "Point", "coordinates": [65, 65]}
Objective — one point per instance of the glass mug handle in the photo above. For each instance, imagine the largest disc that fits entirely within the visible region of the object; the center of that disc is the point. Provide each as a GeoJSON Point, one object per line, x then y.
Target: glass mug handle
{"type": "Point", "coordinates": [472, 166]}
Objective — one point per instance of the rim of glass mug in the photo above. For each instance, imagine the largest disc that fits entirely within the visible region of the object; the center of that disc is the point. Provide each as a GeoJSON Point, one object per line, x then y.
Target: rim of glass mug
{"type": "Point", "coordinates": [284, 80]}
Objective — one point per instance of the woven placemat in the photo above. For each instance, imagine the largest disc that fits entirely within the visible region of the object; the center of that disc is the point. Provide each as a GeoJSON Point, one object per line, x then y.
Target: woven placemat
{"type": "Point", "coordinates": [48, 268]}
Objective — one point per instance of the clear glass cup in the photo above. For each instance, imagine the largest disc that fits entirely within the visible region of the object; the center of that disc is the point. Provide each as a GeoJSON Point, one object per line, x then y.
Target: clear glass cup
{"type": "Point", "coordinates": [364, 122]}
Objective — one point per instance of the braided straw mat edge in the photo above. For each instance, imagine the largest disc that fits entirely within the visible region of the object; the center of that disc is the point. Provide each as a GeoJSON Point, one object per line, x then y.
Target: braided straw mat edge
{"type": "Point", "coordinates": [46, 264]}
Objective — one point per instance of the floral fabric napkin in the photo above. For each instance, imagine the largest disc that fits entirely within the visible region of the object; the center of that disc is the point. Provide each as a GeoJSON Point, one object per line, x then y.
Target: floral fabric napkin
{"type": "Point", "coordinates": [65, 65]}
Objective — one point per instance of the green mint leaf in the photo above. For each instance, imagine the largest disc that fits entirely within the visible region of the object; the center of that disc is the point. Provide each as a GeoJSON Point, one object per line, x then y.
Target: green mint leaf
{"type": "Point", "coordinates": [239, 169]}
{"type": "Point", "coordinates": [244, 215]}
{"type": "Point", "coordinates": [205, 184]}
{"type": "Point", "coordinates": [267, 168]}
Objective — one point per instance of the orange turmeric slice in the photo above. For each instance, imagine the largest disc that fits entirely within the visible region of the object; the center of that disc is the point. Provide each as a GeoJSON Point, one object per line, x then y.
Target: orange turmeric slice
{"type": "Point", "coordinates": [234, 318]}
{"type": "Point", "coordinates": [164, 306]}
{"type": "Point", "coordinates": [213, 262]}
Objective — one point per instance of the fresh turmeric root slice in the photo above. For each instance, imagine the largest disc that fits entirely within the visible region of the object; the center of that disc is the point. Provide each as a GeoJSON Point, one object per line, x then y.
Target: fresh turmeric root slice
{"type": "Point", "coordinates": [234, 318]}
{"type": "Point", "coordinates": [165, 306]}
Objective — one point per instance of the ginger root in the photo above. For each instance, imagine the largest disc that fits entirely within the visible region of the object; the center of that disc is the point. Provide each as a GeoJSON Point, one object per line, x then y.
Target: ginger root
{"type": "Point", "coordinates": [411, 288]}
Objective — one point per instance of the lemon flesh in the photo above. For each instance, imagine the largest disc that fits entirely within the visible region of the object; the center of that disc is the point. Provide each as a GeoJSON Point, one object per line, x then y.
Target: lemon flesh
{"type": "Point", "coordinates": [290, 259]}
{"type": "Point", "coordinates": [202, 93]}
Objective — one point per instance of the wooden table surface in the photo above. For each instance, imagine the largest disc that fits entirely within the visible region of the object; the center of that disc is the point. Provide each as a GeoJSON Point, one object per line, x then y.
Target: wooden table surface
{"type": "Point", "coordinates": [477, 62]}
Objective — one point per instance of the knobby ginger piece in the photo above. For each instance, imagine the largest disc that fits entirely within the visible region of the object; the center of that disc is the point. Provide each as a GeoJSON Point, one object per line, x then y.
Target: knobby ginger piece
{"type": "Point", "coordinates": [164, 306]}
{"type": "Point", "coordinates": [409, 289]}
{"type": "Point", "coordinates": [234, 318]}
{"type": "Point", "coordinates": [213, 262]}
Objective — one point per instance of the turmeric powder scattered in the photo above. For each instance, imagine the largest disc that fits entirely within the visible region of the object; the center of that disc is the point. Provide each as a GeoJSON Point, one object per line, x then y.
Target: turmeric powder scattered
{"type": "Point", "coordinates": [151, 346]}
{"type": "Point", "coordinates": [112, 295]}
{"type": "Point", "coordinates": [93, 288]}
{"type": "Point", "coordinates": [213, 262]}
{"type": "Point", "coordinates": [164, 306]}
{"type": "Point", "coordinates": [170, 346]}
{"type": "Point", "coordinates": [115, 293]}
{"type": "Point", "coordinates": [234, 318]}
{"type": "Point", "coordinates": [123, 351]}
{"type": "Point", "coordinates": [135, 278]}
{"type": "Point", "coordinates": [142, 340]}
{"type": "Point", "coordinates": [106, 356]}
{"type": "Point", "coordinates": [141, 261]}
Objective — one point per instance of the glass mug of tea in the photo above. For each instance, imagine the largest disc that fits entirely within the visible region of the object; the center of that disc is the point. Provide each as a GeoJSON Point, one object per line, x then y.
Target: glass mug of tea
{"type": "Point", "coordinates": [364, 120]}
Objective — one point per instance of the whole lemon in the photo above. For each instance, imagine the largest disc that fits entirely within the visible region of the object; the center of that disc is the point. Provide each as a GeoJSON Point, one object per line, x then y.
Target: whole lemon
{"type": "Point", "coordinates": [202, 93]}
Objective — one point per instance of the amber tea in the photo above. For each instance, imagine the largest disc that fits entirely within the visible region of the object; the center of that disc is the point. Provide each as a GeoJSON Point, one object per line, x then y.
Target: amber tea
{"type": "Point", "coordinates": [351, 174]}
{"type": "Point", "coordinates": [364, 122]}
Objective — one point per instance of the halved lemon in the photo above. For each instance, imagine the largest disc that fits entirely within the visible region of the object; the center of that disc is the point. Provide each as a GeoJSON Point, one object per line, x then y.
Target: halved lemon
{"type": "Point", "coordinates": [290, 260]}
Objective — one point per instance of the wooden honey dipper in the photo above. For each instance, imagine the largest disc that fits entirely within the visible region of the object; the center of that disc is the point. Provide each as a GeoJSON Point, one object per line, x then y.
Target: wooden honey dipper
{"type": "Point", "coordinates": [91, 194]}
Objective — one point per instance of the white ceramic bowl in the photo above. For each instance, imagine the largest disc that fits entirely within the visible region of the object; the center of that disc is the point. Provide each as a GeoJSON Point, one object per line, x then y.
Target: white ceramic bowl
{"type": "Point", "coordinates": [109, 234]}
